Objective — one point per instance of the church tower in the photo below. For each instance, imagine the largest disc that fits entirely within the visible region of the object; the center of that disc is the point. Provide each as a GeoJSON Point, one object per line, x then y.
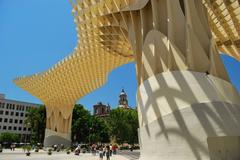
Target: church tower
{"type": "Point", "coordinates": [123, 102]}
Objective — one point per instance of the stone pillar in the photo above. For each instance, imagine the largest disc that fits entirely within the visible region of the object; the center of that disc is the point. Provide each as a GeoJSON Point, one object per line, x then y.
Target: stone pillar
{"type": "Point", "coordinates": [184, 95]}
{"type": "Point", "coordinates": [58, 125]}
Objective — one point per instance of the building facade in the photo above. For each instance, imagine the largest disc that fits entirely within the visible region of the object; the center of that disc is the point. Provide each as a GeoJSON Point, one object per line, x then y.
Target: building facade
{"type": "Point", "coordinates": [101, 110]}
{"type": "Point", "coordinates": [12, 117]}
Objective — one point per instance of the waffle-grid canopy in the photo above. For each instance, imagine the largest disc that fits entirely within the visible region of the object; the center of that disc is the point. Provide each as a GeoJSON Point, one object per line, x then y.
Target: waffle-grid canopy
{"type": "Point", "coordinates": [103, 45]}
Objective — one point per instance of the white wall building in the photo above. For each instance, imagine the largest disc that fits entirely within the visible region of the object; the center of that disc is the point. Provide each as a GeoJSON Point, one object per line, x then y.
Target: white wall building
{"type": "Point", "coordinates": [12, 116]}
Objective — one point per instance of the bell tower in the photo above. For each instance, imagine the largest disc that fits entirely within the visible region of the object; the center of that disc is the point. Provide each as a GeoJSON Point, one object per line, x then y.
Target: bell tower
{"type": "Point", "coordinates": [123, 102]}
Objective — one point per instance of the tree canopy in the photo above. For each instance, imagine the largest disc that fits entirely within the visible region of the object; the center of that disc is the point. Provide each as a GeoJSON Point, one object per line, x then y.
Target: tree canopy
{"type": "Point", "coordinates": [87, 128]}
{"type": "Point", "coordinates": [124, 125]}
{"type": "Point", "coordinates": [36, 120]}
{"type": "Point", "coordinates": [121, 125]}
{"type": "Point", "coordinates": [80, 128]}
{"type": "Point", "coordinates": [9, 137]}
{"type": "Point", "coordinates": [99, 130]}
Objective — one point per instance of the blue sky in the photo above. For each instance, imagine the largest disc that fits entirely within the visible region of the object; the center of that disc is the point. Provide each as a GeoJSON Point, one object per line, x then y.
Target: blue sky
{"type": "Point", "coordinates": [36, 34]}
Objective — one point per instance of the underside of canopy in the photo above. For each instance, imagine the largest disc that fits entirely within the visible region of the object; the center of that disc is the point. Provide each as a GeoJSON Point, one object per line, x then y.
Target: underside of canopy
{"type": "Point", "coordinates": [104, 44]}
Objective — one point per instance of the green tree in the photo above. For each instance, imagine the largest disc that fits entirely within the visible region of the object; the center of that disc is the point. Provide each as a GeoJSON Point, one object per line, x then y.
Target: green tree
{"type": "Point", "coordinates": [9, 137]}
{"type": "Point", "coordinates": [99, 130]}
{"type": "Point", "coordinates": [87, 128]}
{"type": "Point", "coordinates": [134, 125]}
{"type": "Point", "coordinates": [124, 124]}
{"type": "Point", "coordinates": [36, 120]}
{"type": "Point", "coordinates": [80, 120]}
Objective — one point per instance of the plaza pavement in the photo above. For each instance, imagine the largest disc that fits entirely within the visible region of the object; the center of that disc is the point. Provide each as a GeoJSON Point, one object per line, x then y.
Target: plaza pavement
{"type": "Point", "coordinates": [42, 155]}
{"type": "Point", "coordinates": [134, 155]}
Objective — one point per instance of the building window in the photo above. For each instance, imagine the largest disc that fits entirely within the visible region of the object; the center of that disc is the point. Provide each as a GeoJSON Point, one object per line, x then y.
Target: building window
{"type": "Point", "coordinates": [5, 120]}
{"type": "Point", "coordinates": [6, 112]}
{"type": "Point", "coordinates": [0, 119]}
{"type": "Point", "coordinates": [1, 112]}
{"type": "Point", "coordinates": [21, 115]}
{"type": "Point", "coordinates": [0, 127]}
{"type": "Point", "coordinates": [9, 127]}
{"type": "Point", "coordinates": [19, 128]}
{"type": "Point", "coordinates": [12, 113]}
{"type": "Point", "coordinates": [7, 105]}
{"type": "Point", "coordinates": [10, 120]}
{"type": "Point", "coordinates": [20, 121]}
{"type": "Point", "coordinates": [4, 127]}
{"type": "Point", "coordinates": [17, 114]}
{"type": "Point", "coordinates": [29, 129]}
{"type": "Point", "coordinates": [16, 121]}
{"type": "Point", "coordinates": [13, 107]}
{"type": "Point", "coordinates": [14, 128]}
{"type": "Point", "coordinates": [24, 129]}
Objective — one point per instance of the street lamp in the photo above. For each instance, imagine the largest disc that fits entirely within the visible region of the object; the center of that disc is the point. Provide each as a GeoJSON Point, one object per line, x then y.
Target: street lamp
{"type": "Point", "coordinates": [27, 125]}
{"type": "Point", "coordinates": [89, 135]}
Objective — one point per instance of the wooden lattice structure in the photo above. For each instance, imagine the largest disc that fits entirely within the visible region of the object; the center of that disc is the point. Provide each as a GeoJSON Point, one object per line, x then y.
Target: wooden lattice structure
{"type": "Point", "coordinates": [113, 32]}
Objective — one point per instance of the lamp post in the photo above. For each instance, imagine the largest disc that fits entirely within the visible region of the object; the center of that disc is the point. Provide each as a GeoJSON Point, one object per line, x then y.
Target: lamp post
{"type": "Point", "coordinates": [27, 125]}
{"type": "Point", "coordinates": [90, 129]}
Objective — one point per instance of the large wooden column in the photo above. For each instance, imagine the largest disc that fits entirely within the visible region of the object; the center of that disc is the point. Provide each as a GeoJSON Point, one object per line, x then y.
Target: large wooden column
{"type": "Point", "coordinates": [58, 125]}
{"type": "Point", "coordinates": [187, 107]}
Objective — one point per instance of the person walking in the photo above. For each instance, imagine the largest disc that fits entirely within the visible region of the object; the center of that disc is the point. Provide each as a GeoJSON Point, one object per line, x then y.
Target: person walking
{"type": "Point", "coordinates": [114, 149]}
{"type": "Point", "coordinates": [131, 148]}
{"type": "Point", "coordinates": [110, 148]}
{"type": "Point", "coordinates": [101, 153]}
{"type": "Point", "coordinates": [108, 153]}
{"type": "Point", "coordinates": [77, 150]}
{"type": "Point", "coordinates": [104, 150]}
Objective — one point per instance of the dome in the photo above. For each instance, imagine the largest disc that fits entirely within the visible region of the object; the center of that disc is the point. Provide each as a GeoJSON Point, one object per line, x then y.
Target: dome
{"type": "Point", "coordinates": [99, 103]}
{"type": "Point", "coordinates": [122, 92]}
